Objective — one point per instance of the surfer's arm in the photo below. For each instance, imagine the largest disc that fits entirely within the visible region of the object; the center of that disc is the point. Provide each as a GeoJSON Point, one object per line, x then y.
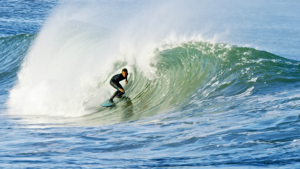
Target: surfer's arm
{"type": "Point", "coordinates": [126, 81]}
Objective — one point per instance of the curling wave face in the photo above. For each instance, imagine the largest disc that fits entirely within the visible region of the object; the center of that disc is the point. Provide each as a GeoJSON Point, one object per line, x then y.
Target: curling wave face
{"type": "Point", "coordinates": [200, 72]}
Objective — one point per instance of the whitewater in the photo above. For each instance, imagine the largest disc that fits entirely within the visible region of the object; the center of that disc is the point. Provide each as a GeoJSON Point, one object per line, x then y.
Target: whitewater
{"type": "Point", "coordinates": [212, 84]}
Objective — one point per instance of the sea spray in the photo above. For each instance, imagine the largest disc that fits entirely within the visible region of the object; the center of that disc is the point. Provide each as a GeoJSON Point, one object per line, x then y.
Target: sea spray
{"type": "Point", "coordinates": [77, 48]}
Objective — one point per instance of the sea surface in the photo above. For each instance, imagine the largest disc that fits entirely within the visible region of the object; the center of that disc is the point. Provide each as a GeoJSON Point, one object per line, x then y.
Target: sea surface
{"type": "Point", "coordinates": [212, 84]}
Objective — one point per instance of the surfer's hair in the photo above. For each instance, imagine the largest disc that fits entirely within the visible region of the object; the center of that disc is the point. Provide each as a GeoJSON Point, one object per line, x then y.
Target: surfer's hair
{"type": "Point", "coordinates": [124, 70]}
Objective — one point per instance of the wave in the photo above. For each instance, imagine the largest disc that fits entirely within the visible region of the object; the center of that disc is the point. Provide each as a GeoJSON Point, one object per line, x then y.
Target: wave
{"type": "Point", "coordinates": [67, 69]}
{"type": "Point", "coordinates": [182, 73]}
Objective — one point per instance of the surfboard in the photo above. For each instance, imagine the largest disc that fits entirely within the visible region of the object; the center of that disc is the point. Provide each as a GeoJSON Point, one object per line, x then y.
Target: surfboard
{"type": "Point", "coordinates": [106, 103]}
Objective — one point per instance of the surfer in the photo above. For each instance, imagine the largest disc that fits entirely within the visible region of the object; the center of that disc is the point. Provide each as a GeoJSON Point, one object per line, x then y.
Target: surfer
{"type": "Point", "coordinates": [115, 83]}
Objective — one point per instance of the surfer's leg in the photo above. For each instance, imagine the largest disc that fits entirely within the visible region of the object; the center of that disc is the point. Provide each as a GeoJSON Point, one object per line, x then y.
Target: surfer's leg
{"type": "Point", "coordinates": [114, 95]}
{"type": "Point", "coordinates": [117, 86]}
{"type": "Point", "coordinates": [114, 84]}
{"type": "Point", "coordinates": [120, 95]}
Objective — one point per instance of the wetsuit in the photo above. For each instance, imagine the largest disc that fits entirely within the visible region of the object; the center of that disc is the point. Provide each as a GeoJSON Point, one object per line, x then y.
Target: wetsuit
{"type": "Point", "coordinates": [115, 83]}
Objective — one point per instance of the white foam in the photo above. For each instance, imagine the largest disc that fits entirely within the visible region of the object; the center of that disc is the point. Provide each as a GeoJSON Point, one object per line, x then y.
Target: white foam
{"type": "Point", "coordinates": [253, 79]}
{"type": "Point", "coordinates": [73, 56]}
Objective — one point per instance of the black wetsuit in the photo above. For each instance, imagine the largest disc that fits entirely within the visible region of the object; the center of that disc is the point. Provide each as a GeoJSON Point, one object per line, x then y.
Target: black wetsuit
{"type": "Point", "coordinates": [115, 83]}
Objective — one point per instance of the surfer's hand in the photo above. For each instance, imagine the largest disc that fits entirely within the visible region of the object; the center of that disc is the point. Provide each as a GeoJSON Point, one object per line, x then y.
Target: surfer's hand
{"type": "Point", "coordinates": [122, 90]}
{"type": "Point", "coordinates": [126, 81]}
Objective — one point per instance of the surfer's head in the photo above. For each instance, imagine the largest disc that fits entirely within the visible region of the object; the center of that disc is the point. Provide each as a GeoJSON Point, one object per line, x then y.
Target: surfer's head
{"type": "Point", "coordinates": [124, 72]}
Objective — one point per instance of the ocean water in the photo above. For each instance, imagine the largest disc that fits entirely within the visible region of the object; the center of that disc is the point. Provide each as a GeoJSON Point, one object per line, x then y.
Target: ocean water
{"type": "Point", "coordinates": [212, 84]}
